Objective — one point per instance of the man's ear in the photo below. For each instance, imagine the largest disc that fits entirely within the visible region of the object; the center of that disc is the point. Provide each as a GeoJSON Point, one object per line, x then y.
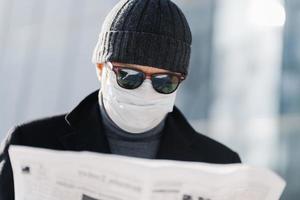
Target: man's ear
{"type": "Point", "coordinates": [99, 69]}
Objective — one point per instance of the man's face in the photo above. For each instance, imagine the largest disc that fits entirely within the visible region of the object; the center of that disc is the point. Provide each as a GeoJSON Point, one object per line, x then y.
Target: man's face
{"type": "Point", "coordinates": [132, 102]}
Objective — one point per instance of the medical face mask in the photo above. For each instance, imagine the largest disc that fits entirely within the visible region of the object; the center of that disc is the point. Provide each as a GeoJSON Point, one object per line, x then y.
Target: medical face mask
{"type": "Point", "coordinates": [134, 110]}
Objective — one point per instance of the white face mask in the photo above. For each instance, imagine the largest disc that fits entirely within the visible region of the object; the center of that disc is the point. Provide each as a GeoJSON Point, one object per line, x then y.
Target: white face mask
{"type": "Point", "coordinates": [137, 110]}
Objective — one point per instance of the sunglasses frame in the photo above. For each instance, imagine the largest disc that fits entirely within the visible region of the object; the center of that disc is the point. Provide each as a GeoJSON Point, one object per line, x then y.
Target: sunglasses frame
{"type": "Point", "coordinates": [115, 69]}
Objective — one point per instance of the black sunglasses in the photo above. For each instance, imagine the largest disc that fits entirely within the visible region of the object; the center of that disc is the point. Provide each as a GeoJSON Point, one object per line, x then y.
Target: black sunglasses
{"type": "Point", "coordinates": [131, 78]}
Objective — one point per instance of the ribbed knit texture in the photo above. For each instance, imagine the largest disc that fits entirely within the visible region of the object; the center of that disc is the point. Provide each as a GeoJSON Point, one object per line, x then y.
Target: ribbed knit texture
{"type": "Point", "coordinates": [145, 32]}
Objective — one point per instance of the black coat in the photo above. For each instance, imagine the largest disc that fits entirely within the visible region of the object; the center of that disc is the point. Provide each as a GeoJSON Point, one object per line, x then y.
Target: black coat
{"type": "Point", "coordinates": [81, 129]}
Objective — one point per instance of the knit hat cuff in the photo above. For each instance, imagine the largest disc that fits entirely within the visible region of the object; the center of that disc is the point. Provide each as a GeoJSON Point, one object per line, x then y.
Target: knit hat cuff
{"type": "Point", "coordinates": [143, 49]}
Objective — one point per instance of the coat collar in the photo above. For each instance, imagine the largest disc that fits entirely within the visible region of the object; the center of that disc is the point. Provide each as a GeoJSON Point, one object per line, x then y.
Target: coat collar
{"type": "Point", "coordinates": [87, 131]}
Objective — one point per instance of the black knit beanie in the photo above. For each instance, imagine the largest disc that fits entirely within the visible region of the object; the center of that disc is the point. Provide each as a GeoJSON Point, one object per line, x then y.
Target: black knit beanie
{"type": "Point", "coordinates": [145, 32]}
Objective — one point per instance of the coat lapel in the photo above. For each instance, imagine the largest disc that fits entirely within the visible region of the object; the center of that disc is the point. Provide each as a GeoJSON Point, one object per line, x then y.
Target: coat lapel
{"type": "Point", "coordinates": [86, 122]}
{"type": "Point", "coordinates": [175, 143]}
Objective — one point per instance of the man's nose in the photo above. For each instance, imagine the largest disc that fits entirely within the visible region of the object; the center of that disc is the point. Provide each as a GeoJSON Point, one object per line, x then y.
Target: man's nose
{"type": "Point", "coordinates": [148, 76]}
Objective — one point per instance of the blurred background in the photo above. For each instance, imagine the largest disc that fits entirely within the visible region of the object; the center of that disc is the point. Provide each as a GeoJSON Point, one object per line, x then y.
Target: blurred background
{"type": "Point", "coordinates": [243, 88]}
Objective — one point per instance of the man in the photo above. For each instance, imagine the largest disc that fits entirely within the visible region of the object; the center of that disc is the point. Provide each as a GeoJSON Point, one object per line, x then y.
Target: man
{"type": "Point", "coordinates": [141, 58]}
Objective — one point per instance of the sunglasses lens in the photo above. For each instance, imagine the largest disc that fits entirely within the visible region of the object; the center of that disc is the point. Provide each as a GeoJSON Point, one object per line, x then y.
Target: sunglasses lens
{"type": "Point", "coordinates": [165, 83]}
{"type": "Point", "coordinates": [129, 78]}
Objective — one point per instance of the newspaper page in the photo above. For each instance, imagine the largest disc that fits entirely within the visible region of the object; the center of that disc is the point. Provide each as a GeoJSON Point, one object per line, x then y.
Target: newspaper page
{"type": "Point", "coordinates": [43, 174]}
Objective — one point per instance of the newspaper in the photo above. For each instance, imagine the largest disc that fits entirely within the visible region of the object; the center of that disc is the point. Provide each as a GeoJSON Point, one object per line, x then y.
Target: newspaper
{"type": "Point", "coordinates": [43, 174]}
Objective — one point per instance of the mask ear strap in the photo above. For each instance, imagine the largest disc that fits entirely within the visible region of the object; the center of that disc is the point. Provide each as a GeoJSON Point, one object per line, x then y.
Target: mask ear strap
{"type": "Point", "coordinates": [110, 72]}
{"type": "Point", "coordinates": [104, 78]}
{"type": "Point", "coordinates": [105, 70]}
{"type": "Point", "coordinates": [109, 65]}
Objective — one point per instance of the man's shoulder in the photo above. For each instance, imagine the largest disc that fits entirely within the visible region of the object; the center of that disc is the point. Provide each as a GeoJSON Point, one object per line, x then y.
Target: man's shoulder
{"type": "Point", "coordinates": [49, 122]}
{"type": "Point", "coordinates": [48, 131]}
{"type": "Point", "coordinates": [203, 147]}
{"type": "Point", "coordinates": [41, 131]}
{"type": "Point", "coordinates": [215, 151]}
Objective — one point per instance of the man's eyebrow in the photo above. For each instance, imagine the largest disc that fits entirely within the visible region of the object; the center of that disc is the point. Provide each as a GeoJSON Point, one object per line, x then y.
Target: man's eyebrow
{"type": "Point", "coordinates": [123, 65]}
{"type": "Point", "coordinates": [126, 65]}
{"type": "Point", "coordinates": [136, 67]}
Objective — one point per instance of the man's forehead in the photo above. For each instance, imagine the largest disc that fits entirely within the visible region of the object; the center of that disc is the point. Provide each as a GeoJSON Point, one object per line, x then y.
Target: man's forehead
{"type": "Point", "coordinates": [142, 67]}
